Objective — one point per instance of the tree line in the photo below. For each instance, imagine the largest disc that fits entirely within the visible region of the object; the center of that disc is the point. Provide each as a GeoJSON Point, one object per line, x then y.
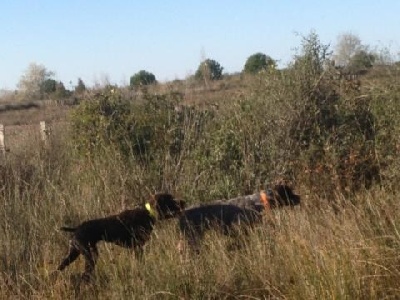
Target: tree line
{"type": "Point", "coordinates": [351, 56]}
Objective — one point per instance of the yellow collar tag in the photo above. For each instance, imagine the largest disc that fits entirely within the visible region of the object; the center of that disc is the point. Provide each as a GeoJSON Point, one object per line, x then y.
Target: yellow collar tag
{"type": "Point", "coordinates": [150, 210]}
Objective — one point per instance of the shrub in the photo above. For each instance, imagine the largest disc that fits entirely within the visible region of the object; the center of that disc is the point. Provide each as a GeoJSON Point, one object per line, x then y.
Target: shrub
{"type": "Point", "coordinates": [318, 133]}
{"type": "Point", "coordinates": [104, 120]}
{"type": "Point", "coordinates": [209, 69]}
{"type": "Point", "coordinates": [142, 78]}
{"type": "Point", "coordinates": [154, 136]}
{"type": "Point", "coordinates": [258, 62]}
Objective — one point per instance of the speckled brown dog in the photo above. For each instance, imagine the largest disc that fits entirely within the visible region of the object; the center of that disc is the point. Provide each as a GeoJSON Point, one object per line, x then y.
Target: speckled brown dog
{"type": "Point", "coordinates": [227, 216]}
{"type": "Point", "coordinates": [278, 196]}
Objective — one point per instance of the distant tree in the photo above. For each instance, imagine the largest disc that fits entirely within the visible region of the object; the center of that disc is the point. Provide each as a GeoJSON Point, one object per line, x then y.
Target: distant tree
{"type": "Point", "coordinates": [61, 92]}
{"type": "Point", "coordinates": [81, 87]}
{"type": "Point", "coordinates": [352, 56]}
{"type": "Point", "coordinates": [53, 89]}
{"type": "Point", "coordinates": [142, 78]}
{"type": "Point", "coordinates": [312, 59]}
{"type": "Point", "coordinates": [32, 81]}
{"type": "Point", "coordinates": [48, 86]}
{"type": "Point", "coordinates": [257, 62]}
{"type": "Point", "coordinates": [209, 69]}
{"type": "Point", "coordinates": [361, 61]}
{"type": "Point", "coordinates": [347, 46]}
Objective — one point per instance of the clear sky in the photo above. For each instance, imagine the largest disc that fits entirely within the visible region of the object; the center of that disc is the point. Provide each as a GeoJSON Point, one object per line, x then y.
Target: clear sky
{"type": "Point", "coordinates": [99, 39]}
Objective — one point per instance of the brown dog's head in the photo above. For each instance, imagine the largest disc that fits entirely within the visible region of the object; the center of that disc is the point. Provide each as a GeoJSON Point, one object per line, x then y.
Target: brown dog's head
{"type": "Point", "coordinates": [282, 195]}
{"type": "Point", "coordinates": [166, 206]}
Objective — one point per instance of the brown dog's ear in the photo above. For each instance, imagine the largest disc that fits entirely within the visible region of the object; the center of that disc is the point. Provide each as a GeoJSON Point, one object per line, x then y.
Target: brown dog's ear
{"type": "Point", "coordinates": [152, 200]}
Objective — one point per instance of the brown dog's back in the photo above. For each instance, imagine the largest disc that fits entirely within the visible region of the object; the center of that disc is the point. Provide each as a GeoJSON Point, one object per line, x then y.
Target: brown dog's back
{"type": "Point", "coordinates": [130, 228]}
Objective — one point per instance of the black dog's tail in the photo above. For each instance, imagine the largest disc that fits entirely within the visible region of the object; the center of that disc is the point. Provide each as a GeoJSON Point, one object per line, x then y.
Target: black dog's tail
{"type": "Point", "coordinates": [68, 229]}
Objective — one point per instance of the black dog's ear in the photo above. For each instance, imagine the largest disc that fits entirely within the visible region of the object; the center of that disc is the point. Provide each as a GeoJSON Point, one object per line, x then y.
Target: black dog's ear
{"type": "Point", "coordinates": [286, 195]}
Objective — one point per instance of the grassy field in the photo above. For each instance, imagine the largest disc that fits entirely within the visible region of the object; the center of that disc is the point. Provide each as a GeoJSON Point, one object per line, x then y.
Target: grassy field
{"type": "Point", "coordinates": [311, 253]}
{"type": "Point", "coordinates": [335, 140]}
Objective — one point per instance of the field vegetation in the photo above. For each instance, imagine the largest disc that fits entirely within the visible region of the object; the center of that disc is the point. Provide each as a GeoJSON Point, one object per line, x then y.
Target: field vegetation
{"type": "Point", "coordinates": [332, 135]}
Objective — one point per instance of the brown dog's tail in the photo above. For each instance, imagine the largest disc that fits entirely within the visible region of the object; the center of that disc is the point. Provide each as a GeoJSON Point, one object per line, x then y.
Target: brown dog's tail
{"type": "Point", "coordinates": [68, 229]}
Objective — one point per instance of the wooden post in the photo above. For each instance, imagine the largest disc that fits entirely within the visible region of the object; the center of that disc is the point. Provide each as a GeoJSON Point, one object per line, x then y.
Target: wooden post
{"type": "Point", "coordinates": [2, 142]}
{"type": "Point", "coordinates": [43, 131]}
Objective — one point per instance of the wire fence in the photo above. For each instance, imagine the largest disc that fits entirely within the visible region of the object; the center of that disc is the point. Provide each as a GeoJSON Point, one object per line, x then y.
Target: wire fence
{"type": "Point", "coordinates": [14, 138]}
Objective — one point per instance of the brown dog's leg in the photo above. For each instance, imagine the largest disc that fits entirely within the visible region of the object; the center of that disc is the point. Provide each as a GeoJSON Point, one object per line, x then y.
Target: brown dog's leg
{"type": "Point", "coordinates": [90, 260]}
{"type": "Point", "coordinates": [71, 257]}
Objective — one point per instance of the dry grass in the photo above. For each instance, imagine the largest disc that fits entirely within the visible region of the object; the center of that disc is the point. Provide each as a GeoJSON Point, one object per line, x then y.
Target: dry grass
{"type": "Point", "coordinates": [344, 246]}
{"type": "Point", "coordinates": [310, 254]}
{"type": "Point", "coordinates": [49, 112]}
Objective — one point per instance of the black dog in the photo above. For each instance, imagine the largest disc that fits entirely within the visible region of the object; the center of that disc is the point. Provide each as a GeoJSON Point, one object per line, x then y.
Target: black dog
{"type": "Point", "coordinates": [230, 215]}
{"type": "Point", "coordinates": [130, 229]}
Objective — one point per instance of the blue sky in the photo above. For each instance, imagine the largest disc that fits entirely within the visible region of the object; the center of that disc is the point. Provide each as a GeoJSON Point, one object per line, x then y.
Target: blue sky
{"type": "Point", "coordinates": [95, 40]}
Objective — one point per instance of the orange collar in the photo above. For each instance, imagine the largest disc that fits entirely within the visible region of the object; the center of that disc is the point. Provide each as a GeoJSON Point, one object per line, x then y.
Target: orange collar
{"type": "Point", "coordinates": [265, 200]}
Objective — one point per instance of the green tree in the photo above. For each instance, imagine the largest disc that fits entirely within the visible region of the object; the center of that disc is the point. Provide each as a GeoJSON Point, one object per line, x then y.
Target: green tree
{"type": "Point", "coordinates": [81, 87]}
{"type": "Point", "coordinates": [142, 78]}
{"type": "Point", "coordinates": [311, 61]}
{"type": "Point", "coordinates": [61, 91]}
{"type": "Point", "coordinates": [209, 69]}
{"type": "Point", "coordinates": [258, 62]}
{"type": "Point", "coordinates": [54, 89]}
{"type": "Point", "coordinates": [48, 86]}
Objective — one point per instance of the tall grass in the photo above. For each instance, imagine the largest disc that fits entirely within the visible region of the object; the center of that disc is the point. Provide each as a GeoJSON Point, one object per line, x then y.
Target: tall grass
{"type": "Point", "coordinates": [347, 252]}
{"type": "Point", "coordinates": [337, 143]}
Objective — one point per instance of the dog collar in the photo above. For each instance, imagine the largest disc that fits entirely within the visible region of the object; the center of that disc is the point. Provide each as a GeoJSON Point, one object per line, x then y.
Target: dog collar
{"type": "Point", "coordinates": [265, 200]}
{"type": "Point", "coordinates": [151, 210]}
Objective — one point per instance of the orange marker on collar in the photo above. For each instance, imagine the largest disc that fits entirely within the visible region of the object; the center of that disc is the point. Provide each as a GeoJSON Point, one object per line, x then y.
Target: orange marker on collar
{"type": "Point", "coordinates": [265, 200]}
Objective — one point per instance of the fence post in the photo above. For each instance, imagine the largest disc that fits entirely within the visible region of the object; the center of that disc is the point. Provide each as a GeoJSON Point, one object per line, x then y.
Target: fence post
{"type": "Point", "coordinates": [43, 131]}
{"type": "Point", "coordinates": [2, 142]}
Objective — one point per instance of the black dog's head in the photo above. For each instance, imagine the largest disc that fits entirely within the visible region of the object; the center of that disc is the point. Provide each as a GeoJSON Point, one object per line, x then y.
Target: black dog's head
{"type": "Point", "coordinates": [166, 206]}
{"type": "Point", "coordinates": [282, 195]}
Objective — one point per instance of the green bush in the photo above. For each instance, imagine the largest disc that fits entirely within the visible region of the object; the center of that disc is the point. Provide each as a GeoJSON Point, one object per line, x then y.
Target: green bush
{"type": "Point", "coordinates": [318, 133]}
{"type": "Point", "coordinates": [258, 62]}
{"type": "Point", "coordinates": [108, 121]}
{"type": "Point", "coordinates": [209, 69]}
{"type": "Point", "coordinates": [335, 131]}
{"type": "Point", "coordinates": [154, 136]}
{"type": "Point", "coordinates": [142, 78]}
{"type": "Point", "coordinates": [104, 120]}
